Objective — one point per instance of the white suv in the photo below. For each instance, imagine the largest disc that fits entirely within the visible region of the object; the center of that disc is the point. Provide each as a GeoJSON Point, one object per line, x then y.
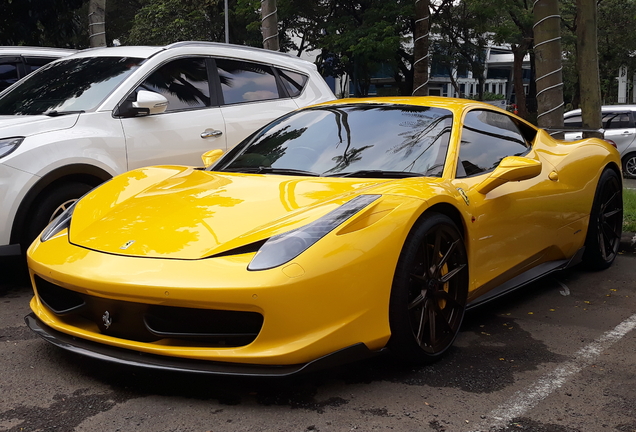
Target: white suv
{"type": "Point", "coordinates": [619, 126]}
{"type": "Point", "coordinates": [82, 119]}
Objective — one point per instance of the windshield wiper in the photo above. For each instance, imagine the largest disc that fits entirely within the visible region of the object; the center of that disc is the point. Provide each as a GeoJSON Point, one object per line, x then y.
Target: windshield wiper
{"type": "Point", "coordinates": [271, 170]}
{"type": "Point", "coordinates": [54, 113]}
{"type": "Point", "coordinates": [378, 174]}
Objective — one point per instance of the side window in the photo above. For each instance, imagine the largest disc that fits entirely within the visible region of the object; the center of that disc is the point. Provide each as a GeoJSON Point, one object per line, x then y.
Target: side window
{"type": "Point", "coordinates": [32, 64]}
{"type": "Point", "coordinates": [293, 81]}
{"type": "Point", "coordinates": [246, 82]}
{"type": "Point", "coordinates": [184, 82]}
{"type": "Point", "coordinates": [487, 138]}
{"type": "Point", "coordinates": [616, 120]}
{"type": "Point", "coordinates": [573, 121]}
{"type": "Point", "coordinates": [8, 75]}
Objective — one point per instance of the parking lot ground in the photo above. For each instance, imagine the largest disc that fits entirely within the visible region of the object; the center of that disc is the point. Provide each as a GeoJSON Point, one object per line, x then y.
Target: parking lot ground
{"type": "Point", "coordinates": [537, 360]}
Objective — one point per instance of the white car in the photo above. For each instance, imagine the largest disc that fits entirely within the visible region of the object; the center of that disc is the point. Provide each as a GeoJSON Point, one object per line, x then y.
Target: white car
{"type": "Point", "coordinates": [619, 126]}
{"type": "Point", "coordinates": [18, 61]}
{"type": "Point", "coordinates": [83, 119]}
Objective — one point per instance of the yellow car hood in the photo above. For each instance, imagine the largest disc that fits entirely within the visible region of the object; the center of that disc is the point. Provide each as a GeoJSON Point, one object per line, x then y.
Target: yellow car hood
{"type": "Point", "coordinates": [186, 213]}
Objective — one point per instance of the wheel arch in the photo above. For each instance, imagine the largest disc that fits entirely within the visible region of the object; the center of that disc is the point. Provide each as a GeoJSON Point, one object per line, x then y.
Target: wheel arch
{"type": "Point", "coordinates": [451, 212]}
{"type": "Point", "coordinates": [82, 173]}
{"type": "Point", "coordinates": [616, 169]}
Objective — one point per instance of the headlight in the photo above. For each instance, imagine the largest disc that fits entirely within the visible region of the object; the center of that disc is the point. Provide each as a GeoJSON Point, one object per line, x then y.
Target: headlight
{"type": "Point", "coordinates": [61, 222]}
{"type": "Point", "coordinates": [285, 247]}
{"type": "Point", "coordinates": [7, 145]}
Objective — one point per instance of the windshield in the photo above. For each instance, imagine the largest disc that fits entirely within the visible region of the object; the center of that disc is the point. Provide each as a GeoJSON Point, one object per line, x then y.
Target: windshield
{"type": "Point", "coordinates": [349, 140]}
{"type": "Point", "coordinates": [78, 84]}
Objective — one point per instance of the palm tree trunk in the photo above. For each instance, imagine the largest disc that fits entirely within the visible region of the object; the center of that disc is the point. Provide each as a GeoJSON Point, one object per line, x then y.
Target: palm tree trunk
{"type": "Point", "coordinates": [587, 66]}
{"type": "Point", "coordinates": [420, 49]}
{"type": "Point", "coordinates": [269, 24]}
{"type": "Point", "coordinates": [547, 49]}
{"type": "Point", "coordinates": [97, 23]}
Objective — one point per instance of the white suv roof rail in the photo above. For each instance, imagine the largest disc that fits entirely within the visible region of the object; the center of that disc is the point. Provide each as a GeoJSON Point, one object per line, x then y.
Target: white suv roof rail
{"type": "Point", "coordinates": [232, 46]}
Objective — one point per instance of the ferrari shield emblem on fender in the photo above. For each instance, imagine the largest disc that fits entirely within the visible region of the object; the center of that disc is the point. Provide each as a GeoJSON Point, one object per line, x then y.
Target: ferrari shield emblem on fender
{"type": "Point", "coordinates": [462, 193]}
{"type": "Point", "coordinates": [107, 319]}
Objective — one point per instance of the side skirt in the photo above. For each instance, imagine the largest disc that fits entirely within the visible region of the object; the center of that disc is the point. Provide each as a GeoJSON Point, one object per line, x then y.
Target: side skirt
{"type": "Point", "coordinates": [527, 277]}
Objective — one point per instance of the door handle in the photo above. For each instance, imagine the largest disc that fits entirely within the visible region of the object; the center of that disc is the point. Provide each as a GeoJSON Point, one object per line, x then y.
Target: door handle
{"type": "Point", "coordinates": [211, 133]}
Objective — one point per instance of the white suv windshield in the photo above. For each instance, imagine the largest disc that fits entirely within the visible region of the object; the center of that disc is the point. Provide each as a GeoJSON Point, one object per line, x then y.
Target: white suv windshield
{"type": "Point", "coordinates": [78, 84]}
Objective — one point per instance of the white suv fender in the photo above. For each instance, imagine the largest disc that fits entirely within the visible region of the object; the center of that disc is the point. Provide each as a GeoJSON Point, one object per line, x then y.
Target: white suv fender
{"type": "Point", "coordinates": [85, 155]}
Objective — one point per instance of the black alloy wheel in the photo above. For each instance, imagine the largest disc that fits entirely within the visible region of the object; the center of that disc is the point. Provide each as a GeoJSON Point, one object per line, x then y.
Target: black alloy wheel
{"type": "Point", "coordinates": [429, 292]}
{"type": "Point", "coordinates": [606, 222]}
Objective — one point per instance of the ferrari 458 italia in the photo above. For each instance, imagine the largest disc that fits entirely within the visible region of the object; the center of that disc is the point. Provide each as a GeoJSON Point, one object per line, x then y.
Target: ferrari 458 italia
{"type": "Point", "coordinates": [335, 232]}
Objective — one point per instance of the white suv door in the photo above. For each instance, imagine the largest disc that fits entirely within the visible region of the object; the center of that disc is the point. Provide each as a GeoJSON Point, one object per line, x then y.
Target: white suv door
{"type": "Point", "coordinates": [212, 104]}
{"type": "Point", "coordinates": [191, 124]}
{"type": "Point", "coordinates": [251, 96]}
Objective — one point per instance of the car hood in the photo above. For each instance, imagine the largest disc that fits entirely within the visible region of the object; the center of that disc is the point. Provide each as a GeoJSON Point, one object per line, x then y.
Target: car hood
{"type": "Point", "coordinates": [27, 125]}
{"type": "Point", "coordinates": [187, 213]}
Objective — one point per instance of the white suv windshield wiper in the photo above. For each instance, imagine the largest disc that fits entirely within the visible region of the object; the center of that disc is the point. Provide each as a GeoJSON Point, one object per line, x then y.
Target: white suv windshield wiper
{"type": "Point", "coordinates": [55, 113]}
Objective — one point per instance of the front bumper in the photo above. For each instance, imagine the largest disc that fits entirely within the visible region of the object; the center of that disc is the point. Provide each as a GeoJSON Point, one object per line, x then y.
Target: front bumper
{"type": "Point", "coordinates": [149, 361]}
{"type": "Point", "coordinates": [309, 311]}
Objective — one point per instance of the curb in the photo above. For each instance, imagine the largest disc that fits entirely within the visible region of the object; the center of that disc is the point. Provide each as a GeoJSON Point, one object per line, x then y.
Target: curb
{"type": "Point", "coordinates": [628, 242]}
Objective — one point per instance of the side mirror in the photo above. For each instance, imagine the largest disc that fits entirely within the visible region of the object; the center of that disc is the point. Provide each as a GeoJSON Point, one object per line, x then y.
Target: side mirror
{"type": "Point", "coordinates": [211, 156]}
{"type": "Point", "coordinates": [511, 168]}
{"type": "Point", "coordinates": [154, 102]}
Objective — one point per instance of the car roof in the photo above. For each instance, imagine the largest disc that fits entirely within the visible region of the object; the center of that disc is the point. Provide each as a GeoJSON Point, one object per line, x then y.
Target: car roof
{"type": "Point", "coordinates": [35, 51]}
{"type": "Point", "coordinates": [191, 47]}
{"type": "Point", "coordinates": [606, 108]}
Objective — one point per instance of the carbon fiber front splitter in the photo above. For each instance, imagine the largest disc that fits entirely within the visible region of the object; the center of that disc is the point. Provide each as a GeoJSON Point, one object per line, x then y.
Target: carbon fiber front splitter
{"type": "Point", "coordinates": [150, 361]}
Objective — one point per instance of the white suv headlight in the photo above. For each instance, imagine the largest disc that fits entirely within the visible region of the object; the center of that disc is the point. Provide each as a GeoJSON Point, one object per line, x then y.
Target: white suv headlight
{"type": "Point", "coordinates": [7, 145]}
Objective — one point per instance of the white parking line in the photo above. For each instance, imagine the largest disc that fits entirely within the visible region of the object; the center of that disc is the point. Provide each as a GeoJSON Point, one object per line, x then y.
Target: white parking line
{"type": "Point", "coordinates": [565, 291]}
{"type": "Point", "coordinates": [523, 401]}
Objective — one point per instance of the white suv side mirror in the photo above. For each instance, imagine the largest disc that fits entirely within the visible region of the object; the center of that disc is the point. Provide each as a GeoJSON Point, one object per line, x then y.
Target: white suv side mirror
{"type": "Point", "coordinates": [154, 102]}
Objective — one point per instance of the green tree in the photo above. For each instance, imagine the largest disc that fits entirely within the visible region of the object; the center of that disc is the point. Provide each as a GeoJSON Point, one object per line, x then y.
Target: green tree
{"type": "Point", "coordinates": [511, 22]}
{"type": "Point", "coordinates": [616, 19]}
{"type": "Point", "coordinates": [161, 22]}
{"type": "Point", "coordinates": [58, 23]}
{"type": "Point", "coordinates": [463, 37]}
{"type": "Point", "coordinates": [360, 37]}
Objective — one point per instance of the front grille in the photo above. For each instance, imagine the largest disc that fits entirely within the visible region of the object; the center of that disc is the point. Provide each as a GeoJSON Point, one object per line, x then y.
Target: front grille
{"type": "Point", "coordinates": [175, 326]}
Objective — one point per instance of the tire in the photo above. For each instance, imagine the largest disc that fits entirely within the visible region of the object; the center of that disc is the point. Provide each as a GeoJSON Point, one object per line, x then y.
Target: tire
{"type": "Point", "coordinates": [606, 222]}
{"type": "Point", "coordinates": [629, 165]}
{"type": "Point", "coordinates": [430, 287]}
{"type": "Point", "coordinates": [48, 205]}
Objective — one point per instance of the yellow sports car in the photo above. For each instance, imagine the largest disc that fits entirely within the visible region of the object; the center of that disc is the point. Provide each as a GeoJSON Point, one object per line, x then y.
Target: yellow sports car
{"type": "Point", "coordinates": [336, 232]}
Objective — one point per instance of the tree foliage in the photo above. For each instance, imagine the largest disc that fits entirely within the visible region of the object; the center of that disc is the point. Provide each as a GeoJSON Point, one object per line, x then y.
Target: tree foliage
{"type": "Point", "coordinates": [58, 23]}
{"type": "Point", "coordinates": [160, 22]}
{"type": "Point", "coordinates": [616, 21]}
{"type": "Point", "coordinates": [462, 37]}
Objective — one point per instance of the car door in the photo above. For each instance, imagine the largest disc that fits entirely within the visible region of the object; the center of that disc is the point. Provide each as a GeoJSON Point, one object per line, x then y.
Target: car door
{"type": "Point", "coordinates": [619, 128]}
{"type": "Point", "coordinates": [191, 124]}
{"type": "Point", "coordinates": [251, 96]}
{"type": "Point", "coordinates": [512, 226]}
